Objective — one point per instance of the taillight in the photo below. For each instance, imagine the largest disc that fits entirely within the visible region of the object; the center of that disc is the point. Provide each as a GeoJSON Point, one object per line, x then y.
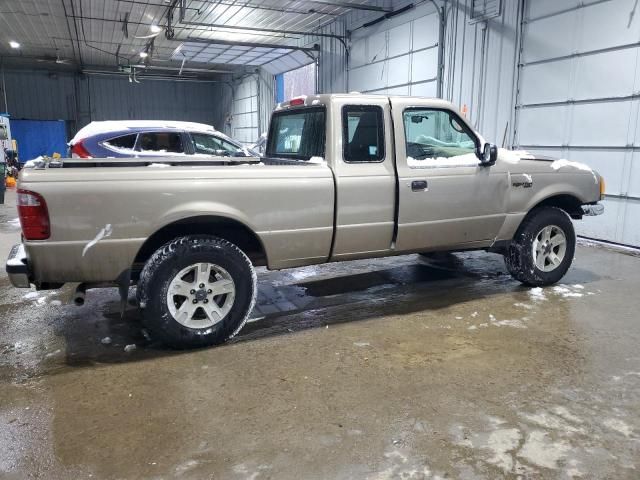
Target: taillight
{"type": "Point", "coordinates": [34, 216]}
{"type": "Point", "coordinates": [79, 151]}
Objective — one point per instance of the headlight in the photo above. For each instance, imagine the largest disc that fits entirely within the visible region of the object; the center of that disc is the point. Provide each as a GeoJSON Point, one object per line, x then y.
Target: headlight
{"type": "Point", "coordinates": [602, 187]}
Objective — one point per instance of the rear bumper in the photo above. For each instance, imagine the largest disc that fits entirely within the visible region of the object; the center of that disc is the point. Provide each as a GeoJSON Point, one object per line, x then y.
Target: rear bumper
{"type": "Point", "coordinates": [593, 210]}
{"type": "Point", "coordinates": [18, 267]}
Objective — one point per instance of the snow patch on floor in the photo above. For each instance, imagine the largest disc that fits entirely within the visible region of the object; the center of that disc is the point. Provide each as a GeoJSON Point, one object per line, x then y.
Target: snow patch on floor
{"type": "Point", "coordinates": [566, 414]}
{"type": "Point", "coordinates": [541, 450]}
{"type": "Point", "coordinates": [553, 422]}
{"type": "Point", "coordinates": [566, 292]}
{"type": "Point", "coordinates": [618, 425]}
{"type": "Point", "coordinates": [399, 465]}
{"type": "Point", "coordinates": [526, 306]}
{"type": "Point", "coordinates": [537, 293]}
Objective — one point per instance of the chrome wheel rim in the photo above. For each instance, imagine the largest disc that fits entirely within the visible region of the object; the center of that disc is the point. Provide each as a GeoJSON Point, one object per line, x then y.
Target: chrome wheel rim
{"type": "Point", "coordinates": [549, 248]}
{"type": "Point", "coordinates": [201, 295]}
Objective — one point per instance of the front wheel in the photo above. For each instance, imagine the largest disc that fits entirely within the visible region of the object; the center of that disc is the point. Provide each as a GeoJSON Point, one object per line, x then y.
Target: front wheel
{"type": "Point", "coordinates": [196, 291]}
{"type": "Point", "coordinates": [543, 247]}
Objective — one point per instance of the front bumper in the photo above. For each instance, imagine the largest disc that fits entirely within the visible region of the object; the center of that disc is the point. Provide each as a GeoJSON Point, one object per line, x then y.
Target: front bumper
{"type": "Point", "coordinates": [18, 267]}
{"type": "Point", "coordinates": [593, 210]}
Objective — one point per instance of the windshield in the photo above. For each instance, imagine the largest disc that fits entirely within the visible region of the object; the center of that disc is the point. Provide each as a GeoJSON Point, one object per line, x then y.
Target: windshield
{"type": "Point", "coordinates": [297, 134]}
{"type": "Point", "coordinates": [212, 145]}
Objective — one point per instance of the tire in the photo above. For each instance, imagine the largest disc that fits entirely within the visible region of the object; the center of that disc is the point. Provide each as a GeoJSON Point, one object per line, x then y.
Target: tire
{"type": "Point", "coordinates": [177, 292]}
{"type": "Point", "coordinates": [536, 255]}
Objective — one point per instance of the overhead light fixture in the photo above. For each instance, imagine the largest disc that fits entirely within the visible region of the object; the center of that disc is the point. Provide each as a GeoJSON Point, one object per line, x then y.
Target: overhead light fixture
{"type": "Point", "coordinates": [14, 44]}
{"type": "Point", "coordinates": [144, 54]}
{"type": "Point", "coordinates": [156, 28]}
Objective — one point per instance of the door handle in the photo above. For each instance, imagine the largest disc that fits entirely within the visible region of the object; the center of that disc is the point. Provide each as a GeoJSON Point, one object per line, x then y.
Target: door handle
{"type": "Point", "coordinates": [418, 185]}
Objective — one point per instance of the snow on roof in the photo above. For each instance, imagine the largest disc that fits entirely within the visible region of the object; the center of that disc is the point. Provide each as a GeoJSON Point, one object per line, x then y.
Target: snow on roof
{"type": "Point", "coordinates": [95, 128]}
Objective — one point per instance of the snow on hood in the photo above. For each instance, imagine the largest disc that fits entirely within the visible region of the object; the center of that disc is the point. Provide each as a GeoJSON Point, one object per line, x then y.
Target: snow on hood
{"type": "Point", "coordinates": [558, 164]}
{"type": "Point", "coordinates": [563, 162]}
{"type": "Point", "coordinates": [95, 128]}
{"type": "Point", "coordinates": [514, 156]}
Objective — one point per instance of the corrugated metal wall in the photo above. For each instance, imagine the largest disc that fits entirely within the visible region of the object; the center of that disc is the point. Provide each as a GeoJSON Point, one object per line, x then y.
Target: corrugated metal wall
{"type": "Point", "coordinates": [267, 102]}
{"type": "Point", "coordinates": [41, 95]}
{"type": "Point", "coordinates": [480, 73]}
{"type": "Point", "coordinates": [114, 98]}
{"type": "Point", "coordinates": [253, 101]}
{"type": "Point", "coordinates": [579, 85]}
{"type": "Point", "coordinates": [332, 61]}
{"type": "Point", "coordinates": [398, 56]}
{"type": "Point", "coordinates": [245, 113]}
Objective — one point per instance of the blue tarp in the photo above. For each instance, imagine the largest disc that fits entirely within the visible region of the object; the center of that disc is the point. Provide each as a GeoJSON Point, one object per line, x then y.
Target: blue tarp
{"type": "Point", "coordinates": [39, 137]}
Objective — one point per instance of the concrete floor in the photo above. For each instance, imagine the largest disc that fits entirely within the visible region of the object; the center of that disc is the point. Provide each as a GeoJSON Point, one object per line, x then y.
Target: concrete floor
{"type": "Point", "coordinates": [368, 370]}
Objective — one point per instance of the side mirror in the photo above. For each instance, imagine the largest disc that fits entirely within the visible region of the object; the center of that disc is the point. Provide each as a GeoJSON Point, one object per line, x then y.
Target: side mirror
{"type": "Point", "coordinates": [488, 156]}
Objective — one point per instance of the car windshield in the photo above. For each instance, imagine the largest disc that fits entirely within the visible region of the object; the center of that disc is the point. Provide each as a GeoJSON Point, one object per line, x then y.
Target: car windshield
{"type": "Point", "coordinates": [212, 145]}
{"type": "Point", "coordinates": [297, 134]}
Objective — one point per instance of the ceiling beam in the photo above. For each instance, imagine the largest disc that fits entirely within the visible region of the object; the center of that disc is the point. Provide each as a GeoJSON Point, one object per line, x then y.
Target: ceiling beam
{"type": "Point", "coordinates": [309, 11]}
{"type": "Point", "coordinates": [315, 48]}
{"type": "Point", "coordinates": [259, 30]}
{"type": "Point", "coordinates": [351, 5]}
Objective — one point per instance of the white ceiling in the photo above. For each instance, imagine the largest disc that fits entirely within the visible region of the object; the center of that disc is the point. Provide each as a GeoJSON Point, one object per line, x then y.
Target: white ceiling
{"type": "Point", "coordinates": [92, 32]}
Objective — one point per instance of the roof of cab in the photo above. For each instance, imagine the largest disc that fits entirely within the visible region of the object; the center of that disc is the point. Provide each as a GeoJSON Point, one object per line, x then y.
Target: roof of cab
{"type": "Point", "coordinates": [326, 98]}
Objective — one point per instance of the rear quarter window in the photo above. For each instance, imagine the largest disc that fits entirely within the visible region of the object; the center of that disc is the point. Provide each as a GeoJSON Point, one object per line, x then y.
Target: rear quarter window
{"type": "Point", "coordinates": [123, 142]}
{"type": "Point", "coordinates": [297, 134]}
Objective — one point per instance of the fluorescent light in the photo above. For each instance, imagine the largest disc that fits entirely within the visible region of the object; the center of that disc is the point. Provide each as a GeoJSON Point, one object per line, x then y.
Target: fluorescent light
{"type": "Point", "coordinates": [155, 28]}
{"type": "Point", "coordinates": [14, 44]}
{"type": "Point", "coordinates": [144, 54]}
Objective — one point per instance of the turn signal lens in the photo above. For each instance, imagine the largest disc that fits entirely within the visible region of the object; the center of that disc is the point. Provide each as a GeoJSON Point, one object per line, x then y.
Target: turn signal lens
{"type": "Point", "coordinates": [602, 188]}
{"type": "Point", "coordinates": [34, 215]}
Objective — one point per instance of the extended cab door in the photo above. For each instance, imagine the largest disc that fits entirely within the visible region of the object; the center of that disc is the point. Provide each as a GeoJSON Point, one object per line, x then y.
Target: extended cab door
{"type": "Point", "coordinates": [446, 198]}
{"type": "Point", "coordinates": [362, 154]}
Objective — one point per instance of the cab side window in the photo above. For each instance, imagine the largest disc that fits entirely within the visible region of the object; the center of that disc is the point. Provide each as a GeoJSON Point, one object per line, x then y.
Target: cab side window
{"type": "Point", "coordinates": [363, 133]}
{"type": "Point", "coordinates": [433, 135]}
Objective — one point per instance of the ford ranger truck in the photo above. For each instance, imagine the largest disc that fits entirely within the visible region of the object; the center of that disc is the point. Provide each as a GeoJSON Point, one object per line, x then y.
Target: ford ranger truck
{"type": "Point", "coordinates": [344, 177]}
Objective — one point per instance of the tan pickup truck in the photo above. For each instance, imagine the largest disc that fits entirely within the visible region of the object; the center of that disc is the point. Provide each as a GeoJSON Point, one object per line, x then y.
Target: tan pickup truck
{"type": "Point", "coordinates": [344, 177]}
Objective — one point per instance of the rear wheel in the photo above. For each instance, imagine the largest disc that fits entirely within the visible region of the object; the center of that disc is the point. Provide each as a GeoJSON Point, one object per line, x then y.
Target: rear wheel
{"type": "Point", "coordinates": [543, 248]}
{"type": "Point", "coordinates": [196, 291]}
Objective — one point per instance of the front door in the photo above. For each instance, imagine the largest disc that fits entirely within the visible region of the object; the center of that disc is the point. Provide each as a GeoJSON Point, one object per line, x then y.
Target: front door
{"type": "Point", "coordinates": [446, 198]}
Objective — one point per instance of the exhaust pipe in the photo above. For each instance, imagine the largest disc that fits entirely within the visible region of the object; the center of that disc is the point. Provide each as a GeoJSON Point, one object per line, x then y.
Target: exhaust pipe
{"type": "Point", "coordinates": [79, 295]}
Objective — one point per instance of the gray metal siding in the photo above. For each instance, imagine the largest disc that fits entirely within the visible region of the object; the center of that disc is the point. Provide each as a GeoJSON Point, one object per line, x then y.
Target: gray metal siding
{"type": "Point", "coordinates": [480, 68]}
{"type": "Point", "coordinates": [578, 99]}
{"type": "Point", "coordinates": [40, 95]}
{"type": "Point", "coordinates": [245, 111]}
{"type": "Point", "coordinates": [114, 98]}
{"type": "Point", "coordinates": [398, 56]}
